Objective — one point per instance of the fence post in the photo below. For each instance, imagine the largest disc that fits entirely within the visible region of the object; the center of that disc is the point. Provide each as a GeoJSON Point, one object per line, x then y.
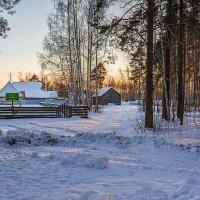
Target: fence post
{"type": "Point", "coordinates": [57, 111]}
{"type": "Point", "coordinates": [85, 111]}
{"type": "Point", "coordinates": [67, 110]}
{"type": "Point", "coordinates": [60, 111]}
{"type": "Point", "coordinates": [64, 110]}
{"type": "Point", "coordinates": [70, 111]}
{"type": "Point", "coordinates": [12, 109]}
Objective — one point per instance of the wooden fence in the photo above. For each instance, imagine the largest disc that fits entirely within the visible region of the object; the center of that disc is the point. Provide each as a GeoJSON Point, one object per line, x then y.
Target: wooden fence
{"type": "Point", "coordinates": [69, 111]}
{"type": "Point", "coordinates": [62, 111]}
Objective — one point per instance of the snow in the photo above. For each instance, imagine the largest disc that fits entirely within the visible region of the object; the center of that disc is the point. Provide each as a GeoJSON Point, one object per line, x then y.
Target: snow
{"type": "Point", "coordinates": [41, 94]}
{"type": "Point", "coordinates": [102, 91]}
{"type": "Point", "coordinates": [8, 88]}
{"type": "Point", "coordinates": [24, 86]}
{"type": "Point", "coordinates": [34, 90]}
{"type": "Point", "coordinates": [31, 89]}
{"type": "Point", "coordinates": [100, 158]}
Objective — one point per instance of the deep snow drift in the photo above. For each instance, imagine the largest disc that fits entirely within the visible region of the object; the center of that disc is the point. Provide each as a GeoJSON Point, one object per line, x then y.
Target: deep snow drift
{"type": "Point", "coordinates": [100, 158]}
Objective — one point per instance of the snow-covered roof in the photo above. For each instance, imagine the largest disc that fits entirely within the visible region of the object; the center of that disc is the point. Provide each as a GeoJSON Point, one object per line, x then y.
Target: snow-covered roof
{"type": "Point", "coordinates": [40, 94]}
{"type": "Point", "coordinates": [8, 88]}
{"type": "Point", "coordinates": [102, 91]}
{"type": "Point", "coordinates": [24, 86]}
{"type": "Point", "coordinates": [31, 90]}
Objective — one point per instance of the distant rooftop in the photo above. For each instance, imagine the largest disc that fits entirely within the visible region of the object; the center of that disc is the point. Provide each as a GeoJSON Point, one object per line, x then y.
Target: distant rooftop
{"type": "Point", "coordinates": [24, 86]}
{"type": "Point", "coordinates": [31, 90]}
{"type": "Point", "coordinates": [101, 91]}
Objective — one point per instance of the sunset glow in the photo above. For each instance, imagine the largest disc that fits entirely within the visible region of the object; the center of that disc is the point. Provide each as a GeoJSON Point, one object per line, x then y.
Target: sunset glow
{"type": "Point", "coordinates": [18, 52]}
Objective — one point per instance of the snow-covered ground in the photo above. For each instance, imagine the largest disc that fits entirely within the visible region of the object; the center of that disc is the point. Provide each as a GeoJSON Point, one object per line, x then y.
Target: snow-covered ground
{"type": "Point", "coordinates": [105, 157]}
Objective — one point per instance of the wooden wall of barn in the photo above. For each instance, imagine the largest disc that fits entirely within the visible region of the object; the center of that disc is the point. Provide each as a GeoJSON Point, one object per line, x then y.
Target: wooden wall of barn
{"type": "Point", "coordinates": [111, 96]}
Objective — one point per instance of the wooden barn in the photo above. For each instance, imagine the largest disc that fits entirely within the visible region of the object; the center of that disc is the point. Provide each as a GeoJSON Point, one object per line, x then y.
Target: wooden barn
{"type": "Point", "coordinates": [106, 96]}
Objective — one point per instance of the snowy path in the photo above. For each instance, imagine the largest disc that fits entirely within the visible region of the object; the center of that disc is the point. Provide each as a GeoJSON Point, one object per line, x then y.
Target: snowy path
{"type": "Point", "coordinates": [94, 166]}
{"type": "Point", "coordinates": [110, 120]}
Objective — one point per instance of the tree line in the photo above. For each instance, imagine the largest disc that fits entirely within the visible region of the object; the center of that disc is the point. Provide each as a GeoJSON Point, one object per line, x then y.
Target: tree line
{"type": "Point", "coordinates": [74, 51]}
{"type": "Point", "coordinates": [162, 41]}
{"type": "Point", "coordinates": [160, 38]}
{"type": "Point", "coordinates": [122, 83]}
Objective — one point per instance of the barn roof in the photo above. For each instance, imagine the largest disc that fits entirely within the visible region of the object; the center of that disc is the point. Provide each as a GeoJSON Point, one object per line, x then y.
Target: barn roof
{"type": "Point", "coordinates": [102, 91]}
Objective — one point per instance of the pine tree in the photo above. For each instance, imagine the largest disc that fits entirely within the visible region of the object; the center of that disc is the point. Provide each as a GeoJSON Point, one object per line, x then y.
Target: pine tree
{"type": "Point", "coordinates": [180, 106]}
{"type": "Point", "coordinates": [99, 73]}
{"type": "Point", "coordinates": [7, 6]}
{"type": "Point", "coordinates": [167, 60]}
{"type": "Point", "coordinates": [149, 66]}
{"type": "Point", "coordinates": [34, 78]}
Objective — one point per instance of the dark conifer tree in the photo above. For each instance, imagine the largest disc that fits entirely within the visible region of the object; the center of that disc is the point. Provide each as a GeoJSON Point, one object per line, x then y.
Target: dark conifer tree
{"type": "Point", "coordinates": [98, 74]}
{"type": "Point", "coordinates": [6, 6]}
{"type": "Point", "coordinates": [149, 65]}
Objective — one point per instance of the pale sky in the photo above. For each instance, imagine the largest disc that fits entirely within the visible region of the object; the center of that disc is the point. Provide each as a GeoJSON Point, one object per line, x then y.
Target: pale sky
{"type": "Point", "coordinates": [18, 52]}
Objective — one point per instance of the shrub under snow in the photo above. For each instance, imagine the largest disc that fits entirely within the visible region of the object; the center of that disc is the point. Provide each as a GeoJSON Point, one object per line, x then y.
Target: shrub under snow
{"type": "Point", "coordinates": [93, 195]}
{"type": "Point", "coordinates": [86, 160]}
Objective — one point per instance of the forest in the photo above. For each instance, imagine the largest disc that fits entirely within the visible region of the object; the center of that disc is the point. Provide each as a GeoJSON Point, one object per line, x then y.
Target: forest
{"type": "Point", "coordinates": [160, 40]}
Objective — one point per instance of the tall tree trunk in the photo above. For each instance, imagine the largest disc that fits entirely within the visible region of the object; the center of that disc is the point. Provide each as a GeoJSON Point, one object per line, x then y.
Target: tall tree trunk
{"type": "Point", "coordinates": [180, 106]}
{"type": "Point", "coordinates": [149, 66]}
{"type": "Point", "coordinates": [167, 58]}
{"type": "Point", "coordinates": [89, 59]}
{"type": "Point", "coordinates": [97, 49]}
{"type": "Point", "coordinates": [96, 80]}
{"type": "Point", "coordinates": [71, 84]}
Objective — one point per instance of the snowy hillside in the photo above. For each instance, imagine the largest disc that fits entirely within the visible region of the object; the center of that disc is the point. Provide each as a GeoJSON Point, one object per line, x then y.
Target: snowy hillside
{"type": "Point", "coordinates": [105, 157]}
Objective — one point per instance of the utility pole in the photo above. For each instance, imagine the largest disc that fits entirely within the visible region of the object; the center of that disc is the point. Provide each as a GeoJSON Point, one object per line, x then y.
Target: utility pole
{"type": "Point", "coordinates": [10, 77]}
